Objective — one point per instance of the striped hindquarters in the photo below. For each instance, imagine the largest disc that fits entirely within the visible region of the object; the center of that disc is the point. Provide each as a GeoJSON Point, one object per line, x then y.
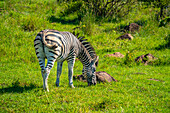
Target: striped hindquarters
{"type": "Point", "coordinates": [39, 49]}
{"type": "Point", "coordinates": [48, 45]}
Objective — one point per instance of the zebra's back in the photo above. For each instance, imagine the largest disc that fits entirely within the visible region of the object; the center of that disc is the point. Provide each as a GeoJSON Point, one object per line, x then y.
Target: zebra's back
{"type": "Point", "coordinates": [62, 43]}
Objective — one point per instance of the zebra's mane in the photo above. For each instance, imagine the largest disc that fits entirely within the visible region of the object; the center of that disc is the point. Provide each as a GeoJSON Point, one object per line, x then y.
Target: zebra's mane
{"type": "Point", "coordinates": [86, 44]}
{"type": "Point", "coordinates": [88, 47]}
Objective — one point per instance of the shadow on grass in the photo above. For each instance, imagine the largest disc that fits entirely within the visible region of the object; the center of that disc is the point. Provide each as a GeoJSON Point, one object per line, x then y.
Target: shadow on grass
{"type": "Point", "coordinates": [101, 106]}
{"type": "Point", "coordinates": [81, 86]}
{"type": "Point", "coordinates": [17, 87]}
{"type": "Point", "coordinates": [53, 19]}
{"type": "Point", "coordinates": [105, 50]}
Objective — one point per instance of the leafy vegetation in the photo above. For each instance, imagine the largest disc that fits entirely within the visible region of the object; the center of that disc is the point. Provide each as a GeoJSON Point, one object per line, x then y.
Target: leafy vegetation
{"type": "Point", "coordinates": [161, 4]}
{"type": "Point", "coordinates": [140, 88]}
{"type": "Point", "coordinates": [99, 8]}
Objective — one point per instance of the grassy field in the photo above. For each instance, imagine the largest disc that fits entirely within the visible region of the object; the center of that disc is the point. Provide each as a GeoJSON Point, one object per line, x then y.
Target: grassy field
{"type": "Point", "coordinates": [140, 88]}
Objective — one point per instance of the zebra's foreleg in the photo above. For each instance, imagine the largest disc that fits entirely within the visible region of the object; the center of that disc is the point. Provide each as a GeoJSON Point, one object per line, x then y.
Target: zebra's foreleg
{"type": "Point", "coordinates": [59, 70]}
{"type": "Point", "coordinates": [70, 71]}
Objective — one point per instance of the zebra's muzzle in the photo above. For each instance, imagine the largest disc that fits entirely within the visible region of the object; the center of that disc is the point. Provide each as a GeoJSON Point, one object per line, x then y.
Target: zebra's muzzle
{"type": "Point", "coordinates": [92, 83]}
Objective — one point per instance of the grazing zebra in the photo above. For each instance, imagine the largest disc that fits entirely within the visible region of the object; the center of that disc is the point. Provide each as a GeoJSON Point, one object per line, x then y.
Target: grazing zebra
{"type": "Point", "coordinates": [60, 46]}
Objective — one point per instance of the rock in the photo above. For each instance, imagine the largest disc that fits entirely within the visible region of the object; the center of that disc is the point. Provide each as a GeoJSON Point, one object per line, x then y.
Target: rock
{"type": "Point", "coordinates": [80, 77]}
{"type": "Point", "coordinates": [101, 76]}
{"type": "Point", "coordinates": [146, 59]}
{"type": "Point", "coordinates": [104, 77]}
{"type": "Point", "coordinates": [126, 36]}
{"type": "Point", "coordinates": [116, 54]}
{"type": "Point", "coordinates": [140, 58]}
{"type": "Point", "coordinates": [133, 27]}
{"type": "Point", "coordinates": [156, 80]}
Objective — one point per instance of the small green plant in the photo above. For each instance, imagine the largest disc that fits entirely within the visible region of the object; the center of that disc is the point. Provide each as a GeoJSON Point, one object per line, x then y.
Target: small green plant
{"type": "Point", "coordinates": [32, 23]}
{"type": "Point", "coordinates": [129, 59]}
{"type": "Point", "coordinates": [161, 61]}
{"type": "Point", "coordinates": [87, 24]}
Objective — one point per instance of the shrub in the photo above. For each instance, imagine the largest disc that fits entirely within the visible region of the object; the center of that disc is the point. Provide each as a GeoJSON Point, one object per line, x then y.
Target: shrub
{"type": "Point", "coordinates": [99, 8]}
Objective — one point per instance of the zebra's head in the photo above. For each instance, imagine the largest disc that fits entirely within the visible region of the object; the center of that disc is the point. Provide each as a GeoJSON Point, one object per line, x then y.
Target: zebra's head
{"type": "Point", "coordinates": [91, 72]}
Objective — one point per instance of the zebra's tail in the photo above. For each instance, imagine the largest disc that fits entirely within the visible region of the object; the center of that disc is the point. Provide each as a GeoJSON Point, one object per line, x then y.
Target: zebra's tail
{"type": "Point", "coordinates": [51, 46]}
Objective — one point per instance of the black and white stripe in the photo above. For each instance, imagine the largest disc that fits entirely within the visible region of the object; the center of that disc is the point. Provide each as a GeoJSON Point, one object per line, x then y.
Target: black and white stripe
{"type": "Point", "coordinates": [60, 46]}
{"type": "Point", "coordinates": [90, 50]}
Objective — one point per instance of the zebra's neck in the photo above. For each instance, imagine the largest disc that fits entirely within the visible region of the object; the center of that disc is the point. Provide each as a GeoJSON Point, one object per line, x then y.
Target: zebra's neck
{"type": "Point", "coordinates": [84, 56]}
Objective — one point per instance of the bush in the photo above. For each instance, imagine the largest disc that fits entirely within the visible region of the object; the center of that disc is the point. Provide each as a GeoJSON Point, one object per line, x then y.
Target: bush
{"type": "Point", "coordinates": [99, 8]}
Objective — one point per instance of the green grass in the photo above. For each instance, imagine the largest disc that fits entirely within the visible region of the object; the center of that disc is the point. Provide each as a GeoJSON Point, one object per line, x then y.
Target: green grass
{"type": "Point", "coordinates": [139, 88]}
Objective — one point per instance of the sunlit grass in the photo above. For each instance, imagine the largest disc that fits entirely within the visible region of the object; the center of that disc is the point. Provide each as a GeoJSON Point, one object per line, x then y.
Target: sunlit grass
{"type": "Point", "coordinates": [139, 88]}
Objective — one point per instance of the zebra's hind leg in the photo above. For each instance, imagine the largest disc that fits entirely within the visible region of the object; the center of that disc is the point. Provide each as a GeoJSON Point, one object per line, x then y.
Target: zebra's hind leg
{"type": "Point", "coordinates": [43, 72]}
{"type": "Point", "coordinates": [46, 72]}
{"type": "Point", "coordinates": [59, 70]}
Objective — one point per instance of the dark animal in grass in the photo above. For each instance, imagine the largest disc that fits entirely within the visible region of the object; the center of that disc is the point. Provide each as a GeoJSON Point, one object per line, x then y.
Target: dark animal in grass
{"type": "Point", "coordinates": [126, 36]}
{"type": "Point", "coordinates": [80, 77]}
{"type": "Point", "coordinates": [132, 27]}
{"type": "Point", "coordinates": [101, 76]}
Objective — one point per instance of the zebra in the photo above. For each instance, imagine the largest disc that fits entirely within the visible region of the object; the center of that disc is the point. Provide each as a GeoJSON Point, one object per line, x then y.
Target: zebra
{"type": "Point", "coordinates": [57, 46]}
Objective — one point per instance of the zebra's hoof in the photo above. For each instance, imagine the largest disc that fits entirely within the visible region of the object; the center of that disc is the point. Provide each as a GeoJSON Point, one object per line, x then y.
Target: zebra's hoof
{"type": "Point", "coordinates": [57, 84]}
{"type": "Point", "coordinates": [46, 89]}
{"type": "Point", "coordinates": [72, 86]}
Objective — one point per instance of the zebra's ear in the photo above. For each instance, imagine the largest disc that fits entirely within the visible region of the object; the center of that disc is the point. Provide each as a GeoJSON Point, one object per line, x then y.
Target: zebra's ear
{"type": "Point", "coordinates": [95, 61]}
